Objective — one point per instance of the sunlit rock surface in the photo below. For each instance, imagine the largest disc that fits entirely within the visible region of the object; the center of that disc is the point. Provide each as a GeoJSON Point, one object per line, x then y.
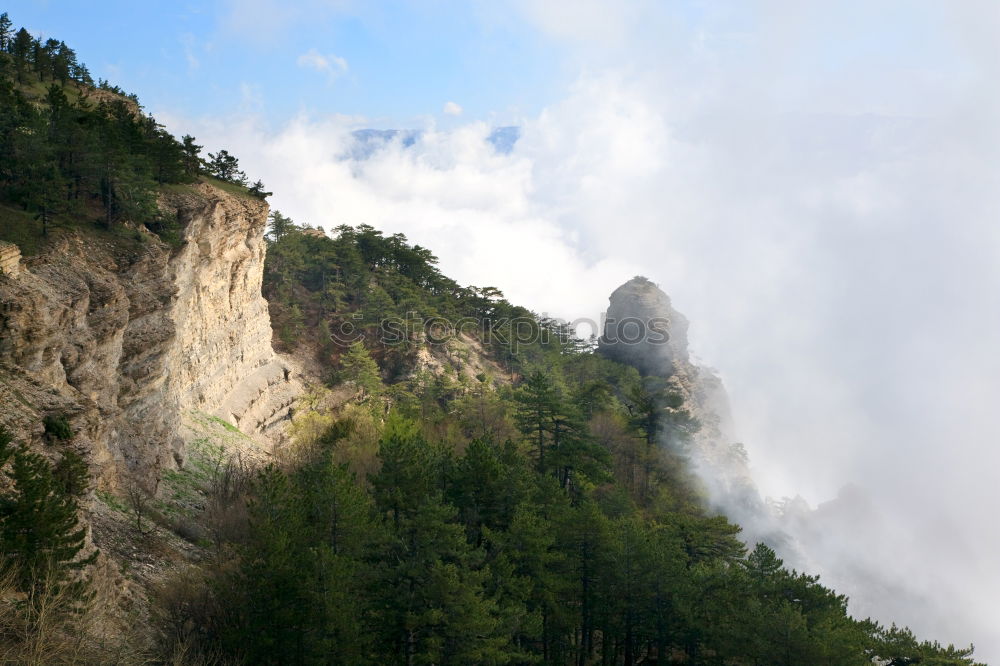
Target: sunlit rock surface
{"type": "Point", "coordinates": [126, 336]}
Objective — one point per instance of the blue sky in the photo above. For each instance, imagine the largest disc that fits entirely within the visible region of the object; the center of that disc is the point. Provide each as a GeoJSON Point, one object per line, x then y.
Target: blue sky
{"type": "Point", "coordinates": [396, 63]}
{"type": "Point", "coordinates": [404, 60]}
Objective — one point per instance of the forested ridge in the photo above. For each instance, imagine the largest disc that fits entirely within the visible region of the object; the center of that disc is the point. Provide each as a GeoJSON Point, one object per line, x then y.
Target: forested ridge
{"type": "Point", "coordinates": [74, 152]}
{"type": "Point", "coordinates": [538, 511]}
{"type": "Point", "coordinates": [548, 520]}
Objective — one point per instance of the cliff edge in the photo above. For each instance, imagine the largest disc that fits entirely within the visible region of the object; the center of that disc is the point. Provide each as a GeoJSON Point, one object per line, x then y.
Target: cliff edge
{"type": "Point", "coordinates": [124, 335]}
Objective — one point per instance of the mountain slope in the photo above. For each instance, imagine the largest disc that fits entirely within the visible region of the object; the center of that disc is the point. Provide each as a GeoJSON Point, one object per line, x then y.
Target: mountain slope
{"type": "Point", "coordinates": [462, 481]}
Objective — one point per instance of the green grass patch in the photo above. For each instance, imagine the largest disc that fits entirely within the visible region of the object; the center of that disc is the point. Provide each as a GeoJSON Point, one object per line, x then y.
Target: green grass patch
{"type": "Point", "coordinates": [111, 501]}
{"type": "Point", "coordinates": [179, 188]}
{"type": "Point", "coordinates": [171, 510]}
{"type": "Point", "coordinates": [183, 487]}
{"type": "Point", "coordinates": [205, 459]}
{"type": "Point", "coordinates": [37, 91]}
{"type": "Point", "coordinates": [210, 422]}
{"type": "Point", "coordinates": [232, 188]}
{"type": "Point", "coordinates": [226, 424]}
{"type": "Point", "coordinates": [21, 228]}
{"type": "Point", "coordinates": [186, 487]}
{"type": "Point", "coordinates": [184, 492]}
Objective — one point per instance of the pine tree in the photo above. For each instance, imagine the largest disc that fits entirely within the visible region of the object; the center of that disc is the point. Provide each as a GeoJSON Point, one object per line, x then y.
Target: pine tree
{"type": "Point", "coordinates": [63, 60]}
{"type": "Point", "coordinates": [537, 405]}
{"type": "Point", "coordinates": [536, 576]}
{"type": "Point", "coordinates": [82, 75]}
{"type": "Point", "coordinates": [5, 31]}
{"type": "Point", "coordinates": [21, 49]}
{"type": "Point", "coordinates": [266, 592]}
{"type": "Point", "coordinates": [280, 226]}
{"type": "Point", "coordinates": [299, 588]}
{"type": "Point", "coordinates": [225, 166]}
{"type": "Point", "coordinates": [67, 64]}
{"type": "Point", "coordinates": [257, 190]}
{"type": "Point", "coordinates": [39, 529]}
{"type": "Point", "coordinates": [898, 646]}
{"type": "Point", "coordinates": [359, 368]}
{"type": "Point", "coordinates": [574, 451]}
{"type": "Point", "coordinates": [762, 563]}
{"type": "Point", "coordinates": [72, 474]}
{"type": "Point", "coordinates": [667, 587]}
{"type": "Point", "coordinates": [431, 605]}
{"type": "Point", "coordinates": [412, 470]}
{"type": "Point", "coordinates": [168, 156]}
{"type": "Point", "coordinates": [556, 429]}
{"type": "Point", "coordinates": [585, 540]}
{"type": "Point", "coordinates": [191, 152]}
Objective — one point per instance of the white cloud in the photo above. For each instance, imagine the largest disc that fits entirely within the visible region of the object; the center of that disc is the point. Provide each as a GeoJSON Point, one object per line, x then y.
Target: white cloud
{"type": "Point", "coordinates": [590, 22]}
{"type": "Point", "coordinates": [452, 109]}
{"type": "Point", "coordinates": [331, 65]}
{"type": "Point", "coordinates": [450, 191]}
{"type": "Point", "coordinates": [828, 228]}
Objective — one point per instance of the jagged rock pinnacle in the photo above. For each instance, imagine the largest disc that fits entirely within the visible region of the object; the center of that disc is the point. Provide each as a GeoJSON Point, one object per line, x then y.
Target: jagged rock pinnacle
{"type": "Point", "coordinates": [643, 330]}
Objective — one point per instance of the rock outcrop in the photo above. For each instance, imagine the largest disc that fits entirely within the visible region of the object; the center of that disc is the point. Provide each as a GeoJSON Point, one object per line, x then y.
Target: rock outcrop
{"type": "Point", "coordinates": [126, 335]}
{"type": "Point", "coordinates": [222, 361]}
{"type": "Point", "coordinates": [642, 329]}
{"type": "Point", "coordinates": [801, 535]}
{"type": "Point", "coordinates": [10, 259]}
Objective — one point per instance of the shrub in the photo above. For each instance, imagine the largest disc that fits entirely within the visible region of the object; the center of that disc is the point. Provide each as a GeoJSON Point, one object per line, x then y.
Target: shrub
{"type": "Point", "coordinates": [72, 473]}
{"type": "Point", "coordinates": [57, 427]}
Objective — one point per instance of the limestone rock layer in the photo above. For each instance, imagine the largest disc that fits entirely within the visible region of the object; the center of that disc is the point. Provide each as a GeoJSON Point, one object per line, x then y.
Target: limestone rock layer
{"type": "Point", "coordinates": [125, 335]}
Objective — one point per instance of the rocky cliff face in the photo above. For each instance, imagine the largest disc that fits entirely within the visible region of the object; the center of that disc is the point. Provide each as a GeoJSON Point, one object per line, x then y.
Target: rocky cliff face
{"type": "Point", "coordinates": [221, 361]}
{"type": "Point", "coordinates": [642, 329]}
{"type": "Point", "coordinates": [125, 336]}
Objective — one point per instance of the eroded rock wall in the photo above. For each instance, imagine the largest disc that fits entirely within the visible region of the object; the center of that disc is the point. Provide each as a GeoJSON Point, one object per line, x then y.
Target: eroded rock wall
{"type": "Point", "coordinates": [222, 361]}
{"type": "Point", "coordinates": [125, 335]}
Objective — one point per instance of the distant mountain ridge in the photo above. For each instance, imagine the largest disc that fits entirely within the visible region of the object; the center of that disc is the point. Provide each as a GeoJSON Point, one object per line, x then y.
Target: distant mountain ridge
{"type": "Point", "coordinates": [369, 141]}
